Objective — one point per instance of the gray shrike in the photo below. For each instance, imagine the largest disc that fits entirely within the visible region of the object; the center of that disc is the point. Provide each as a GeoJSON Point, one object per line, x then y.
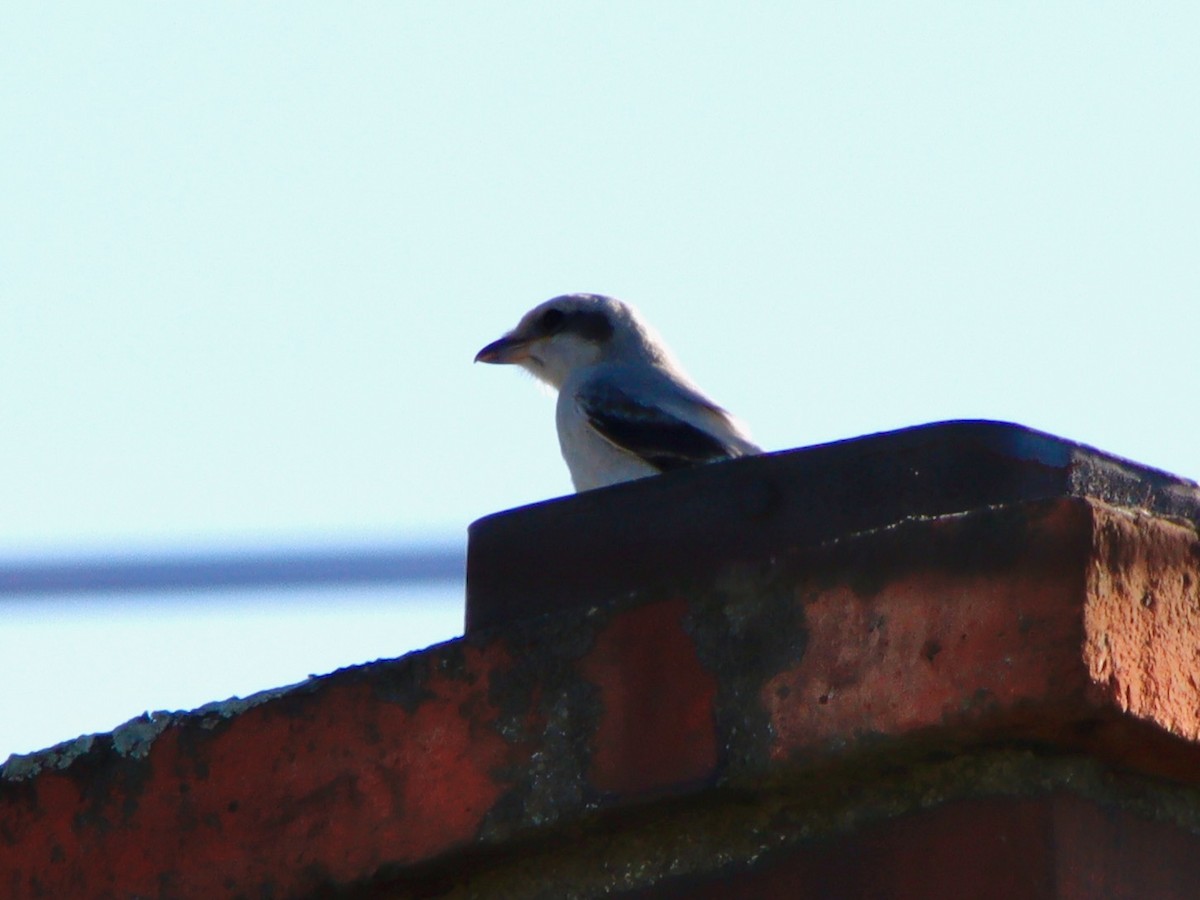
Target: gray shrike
{"type": "Point", "coordinates": [625, 408]}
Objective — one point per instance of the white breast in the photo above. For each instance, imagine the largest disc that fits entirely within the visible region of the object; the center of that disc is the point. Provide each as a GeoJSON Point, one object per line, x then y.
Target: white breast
{"type": "Point", "coordinates": [592, 461]}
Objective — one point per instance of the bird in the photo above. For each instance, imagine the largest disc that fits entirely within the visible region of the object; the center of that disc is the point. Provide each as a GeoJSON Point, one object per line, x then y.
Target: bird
{"type": "Point", "coordinates": [625, 408]}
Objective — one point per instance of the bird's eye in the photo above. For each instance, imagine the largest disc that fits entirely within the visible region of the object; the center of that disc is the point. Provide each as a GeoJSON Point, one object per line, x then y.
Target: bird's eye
{"type": "Point", "coordinates": [551, 320]}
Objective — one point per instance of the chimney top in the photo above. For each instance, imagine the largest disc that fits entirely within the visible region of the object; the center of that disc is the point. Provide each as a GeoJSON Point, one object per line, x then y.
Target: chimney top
{"type": "Point", "coordinates": [586, 548]}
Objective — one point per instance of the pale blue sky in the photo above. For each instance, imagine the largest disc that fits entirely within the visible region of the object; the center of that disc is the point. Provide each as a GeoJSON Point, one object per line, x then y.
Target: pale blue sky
{"type": "Point", "coordinates": [247, 251]}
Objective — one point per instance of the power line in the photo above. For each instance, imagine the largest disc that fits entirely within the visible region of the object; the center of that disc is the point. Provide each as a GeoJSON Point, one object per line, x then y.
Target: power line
{"type": "Point", "coordinates": [250, 569]}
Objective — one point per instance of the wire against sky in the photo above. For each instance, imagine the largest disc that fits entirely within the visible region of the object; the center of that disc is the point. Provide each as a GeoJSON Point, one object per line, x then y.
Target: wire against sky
{"type": "Point", "coordinates": [294, 568]}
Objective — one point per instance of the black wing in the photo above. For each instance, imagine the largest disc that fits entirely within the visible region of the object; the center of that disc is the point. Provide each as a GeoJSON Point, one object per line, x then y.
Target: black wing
{"type": "Point", "coordinates": [661, 439]}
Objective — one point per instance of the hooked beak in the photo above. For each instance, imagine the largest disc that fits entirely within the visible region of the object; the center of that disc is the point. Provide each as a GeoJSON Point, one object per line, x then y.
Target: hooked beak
{"type": "Point", "coordinates": [508, 349]}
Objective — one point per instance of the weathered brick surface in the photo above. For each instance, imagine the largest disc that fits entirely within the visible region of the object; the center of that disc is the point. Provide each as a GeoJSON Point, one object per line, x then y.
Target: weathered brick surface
{"type": "Point", "coordinates": [1064, 625]}
{"type": "Point", "coordinates": [319, 785]}
{"type": "Point", "coordinates": [656, 699]}
{"type": "Point", "coordinates": [1058, 847]}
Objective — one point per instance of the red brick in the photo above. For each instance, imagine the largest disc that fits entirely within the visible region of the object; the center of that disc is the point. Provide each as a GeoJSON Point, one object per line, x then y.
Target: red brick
{"type": "Point", "coordinates": [1062, 624]}
{"type": "Point", "coordinates": [657, 727]}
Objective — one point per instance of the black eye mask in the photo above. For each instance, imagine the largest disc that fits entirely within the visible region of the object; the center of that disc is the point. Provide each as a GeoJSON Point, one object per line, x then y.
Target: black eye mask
{"type": "Point", "coordinates": [588, 324]}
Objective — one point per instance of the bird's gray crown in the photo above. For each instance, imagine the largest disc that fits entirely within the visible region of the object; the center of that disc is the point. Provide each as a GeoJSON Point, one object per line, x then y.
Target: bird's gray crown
{"type": "Point", "coordinates": [577, 314]}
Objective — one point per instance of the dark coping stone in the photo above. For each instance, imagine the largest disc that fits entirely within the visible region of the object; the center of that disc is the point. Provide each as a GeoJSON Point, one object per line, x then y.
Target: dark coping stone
{"type": "Point", "coordinates": [684, 526]}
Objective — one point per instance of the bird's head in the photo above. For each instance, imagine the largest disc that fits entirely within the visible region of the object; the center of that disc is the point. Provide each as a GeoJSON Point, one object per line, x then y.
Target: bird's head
{"type": "Point", "coordinates": [570, 332]}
